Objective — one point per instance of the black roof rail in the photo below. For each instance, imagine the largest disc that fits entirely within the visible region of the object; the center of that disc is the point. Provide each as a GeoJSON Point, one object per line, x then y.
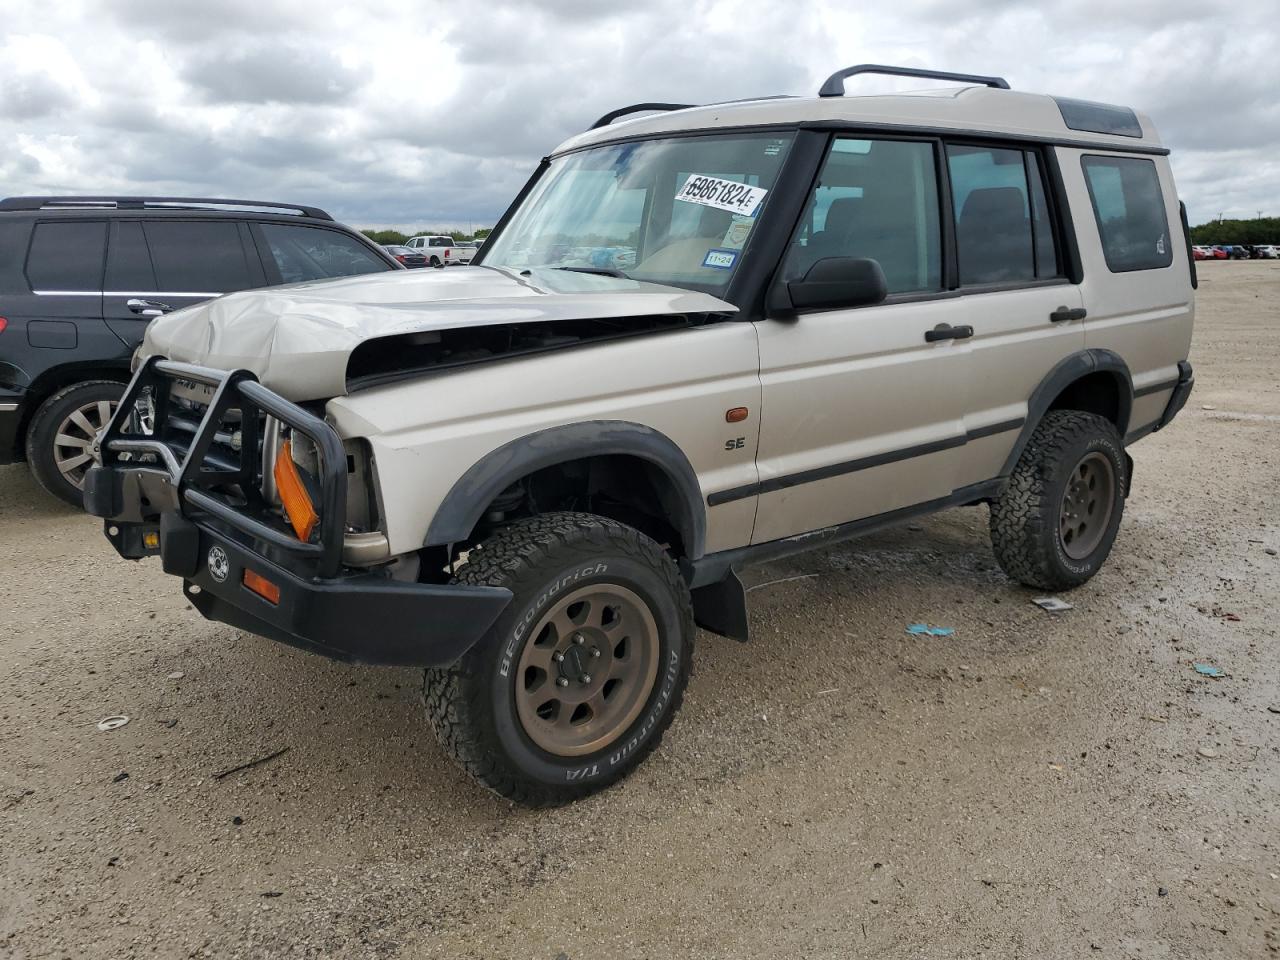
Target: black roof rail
{"type": "Point", "coordinates": [142, 203]}
{"type": "Point", "coordinates": [834, 87]}
{"type": "Point", "coordinates": [613, 115]}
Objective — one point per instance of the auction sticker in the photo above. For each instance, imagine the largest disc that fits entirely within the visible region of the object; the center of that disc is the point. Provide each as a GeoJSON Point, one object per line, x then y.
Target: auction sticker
{"type": "Point", "coordinates": [741, 198]}
{"type": "Point", "coordinates": [720, 259]}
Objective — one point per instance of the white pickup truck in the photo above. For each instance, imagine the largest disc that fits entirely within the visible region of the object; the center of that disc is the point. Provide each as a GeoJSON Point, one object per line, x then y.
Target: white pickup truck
{"type": "Point", "coordinates": [442, 251]}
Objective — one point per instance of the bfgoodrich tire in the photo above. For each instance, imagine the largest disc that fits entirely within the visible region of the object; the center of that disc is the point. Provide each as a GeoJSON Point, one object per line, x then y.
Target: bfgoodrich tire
{"type": "Point", "coordinates": [1056, 520]}
{"type": "Point", "coordinates": [580, 677]}
{"type": "Point", "coordinates": [62, 431]}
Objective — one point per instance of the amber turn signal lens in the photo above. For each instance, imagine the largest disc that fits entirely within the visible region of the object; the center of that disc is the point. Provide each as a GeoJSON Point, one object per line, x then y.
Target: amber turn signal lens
{"type": "Point", "coordinates": [736, 415]}
{"type": "Point", "coordinates": [151, 540]}
{"type": "Point", "coordinates": [261, 586]}
{"type": "Point", "coordinates": [297, 503]}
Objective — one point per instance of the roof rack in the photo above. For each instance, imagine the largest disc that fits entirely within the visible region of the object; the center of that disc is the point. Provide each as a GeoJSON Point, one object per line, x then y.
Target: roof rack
{"type": "Point", "coordinates": [613, 115]}
{"type": "Point", "coordinates": [160, 203]}
{"type": "Point", "coordinates": [834, 87]}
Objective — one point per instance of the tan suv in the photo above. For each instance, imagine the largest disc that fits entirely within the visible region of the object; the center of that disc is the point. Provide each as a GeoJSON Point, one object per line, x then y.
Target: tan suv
{"type": "Point", "coordinates": [697, 340]}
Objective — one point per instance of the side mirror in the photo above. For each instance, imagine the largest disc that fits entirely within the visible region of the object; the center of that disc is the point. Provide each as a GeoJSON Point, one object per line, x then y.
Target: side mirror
{"type": "Point", "coordinates": [839, 282]}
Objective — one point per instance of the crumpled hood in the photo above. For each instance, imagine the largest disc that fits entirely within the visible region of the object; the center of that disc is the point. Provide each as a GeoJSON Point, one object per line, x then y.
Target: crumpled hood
{"type": "Point", "coordinates": [297, 339]}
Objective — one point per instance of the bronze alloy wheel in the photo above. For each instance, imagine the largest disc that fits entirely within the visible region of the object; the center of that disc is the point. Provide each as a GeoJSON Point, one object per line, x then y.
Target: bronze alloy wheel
{"type": "Point", "coordinates": [1086, 506]}
{"type": "Point", "coordinates": [587, 670]}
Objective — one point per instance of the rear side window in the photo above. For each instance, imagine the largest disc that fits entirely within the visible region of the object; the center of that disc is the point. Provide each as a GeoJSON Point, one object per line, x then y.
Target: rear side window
{"type": "Point", "coordinates": [1003, 230]}
{"type": "Point", "coordinates": [193, 257]}
{"type": "Point", "coordinates": [1125, 192]}
{"type": "Point", "coordinates": [67, 257]}
{"type": "Point", "coordinates": [314, 253]}
{"type": "Point", "coordinates": [129, 267]}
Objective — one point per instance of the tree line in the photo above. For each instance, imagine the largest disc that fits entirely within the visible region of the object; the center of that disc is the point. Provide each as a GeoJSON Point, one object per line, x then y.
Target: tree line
{"type": "Point", "coordinates": [389, 237]}
{"type": "Point", "coordinates": [1260, 230]}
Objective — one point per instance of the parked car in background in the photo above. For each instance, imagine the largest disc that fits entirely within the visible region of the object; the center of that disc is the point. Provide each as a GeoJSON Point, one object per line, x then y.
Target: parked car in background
{"type": "Point", "coordinates": [1266, 251]}
{"type": "Point", "coordinates": [1238, 251]}
{"type": "Point", "coordinates": [81, 277]}
{"type": "Point", "coordinates": [1220, 252]}
{"type": "Point", "coordinates": [1202, 252]}
{"type": "Point", "coordinates": [407, 255]}
{"type": "Point", "coordinates": [441, 251]}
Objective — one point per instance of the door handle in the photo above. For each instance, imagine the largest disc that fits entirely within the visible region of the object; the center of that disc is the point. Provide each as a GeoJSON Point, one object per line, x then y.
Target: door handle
{"type": "Point", "coordinates": [944, 331]}
{"type": "Point", "coordinates": [148, 308]}
{"type": "Point", "coordinates": [1068, 313]}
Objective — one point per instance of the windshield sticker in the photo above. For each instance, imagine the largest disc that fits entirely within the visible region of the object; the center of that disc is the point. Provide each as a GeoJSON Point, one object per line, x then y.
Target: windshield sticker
{"type": "Point", "coordinates": [728, 195]}
{"type": "Point", "coordinates": [720, 259]}
{"type": "Point", "coordinates": [739, 230]}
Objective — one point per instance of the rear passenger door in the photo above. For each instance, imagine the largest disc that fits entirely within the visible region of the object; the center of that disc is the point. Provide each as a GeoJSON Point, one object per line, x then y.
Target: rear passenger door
{"type": "Point", "coordinates": [155, 266]}
{"type": "Point", "coordinates": [1011, 275]}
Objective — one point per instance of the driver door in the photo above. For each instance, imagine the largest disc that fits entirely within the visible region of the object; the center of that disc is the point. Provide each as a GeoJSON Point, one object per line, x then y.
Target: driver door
{"type": "Point", "coordinates": [862, 414]}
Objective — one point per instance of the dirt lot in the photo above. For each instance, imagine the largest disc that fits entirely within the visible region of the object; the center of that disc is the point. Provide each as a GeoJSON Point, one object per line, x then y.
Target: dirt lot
{"type": "Point", "coordinates": [1034, 786]}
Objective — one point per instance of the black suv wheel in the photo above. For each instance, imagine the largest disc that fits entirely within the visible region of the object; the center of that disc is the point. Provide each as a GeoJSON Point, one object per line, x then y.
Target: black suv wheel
{"type": "Point", "coordinates": [1056, 520]}
{"type": "Point", "coordinates": [61, 435]}
{"type": "Point", "coordinates": [581, 675]}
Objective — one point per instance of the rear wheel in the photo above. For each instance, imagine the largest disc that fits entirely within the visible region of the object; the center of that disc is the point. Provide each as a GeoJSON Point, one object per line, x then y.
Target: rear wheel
{"type": "Point", "coordinates": [1058, 516]}
{"type": "Point", "coordinates": [577, 681]}
{"type": "Point", "coordinates": [435, 262]}
{"type": "Point", "coordinates": [60, 436]}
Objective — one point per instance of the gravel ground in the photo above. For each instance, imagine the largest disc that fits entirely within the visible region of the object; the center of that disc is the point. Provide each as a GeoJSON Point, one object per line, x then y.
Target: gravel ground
{"type": "Point", "coordinates": [1036, 785]}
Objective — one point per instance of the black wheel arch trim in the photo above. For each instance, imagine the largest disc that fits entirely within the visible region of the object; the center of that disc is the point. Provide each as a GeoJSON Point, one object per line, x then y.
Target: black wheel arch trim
{"type": "Point", "coordinates": [466, 501]}
{"type": "Point", "coordinates": [1066, 372]}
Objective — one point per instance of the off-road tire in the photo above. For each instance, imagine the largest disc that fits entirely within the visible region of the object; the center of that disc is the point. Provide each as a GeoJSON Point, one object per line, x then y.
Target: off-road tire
{"type": "Point", "coordinates": [43, 427]}
{"type": "Point", "coordinates": [1025, 520]}
{"type": "Point", "coordinates": [472, 703]}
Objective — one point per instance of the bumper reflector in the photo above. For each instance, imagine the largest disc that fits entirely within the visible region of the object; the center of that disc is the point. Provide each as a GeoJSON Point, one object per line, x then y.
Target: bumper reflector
{"type": "Point", "coordinates": [293, 495]}
{"type": "Point", "coordinates": [261, 586]}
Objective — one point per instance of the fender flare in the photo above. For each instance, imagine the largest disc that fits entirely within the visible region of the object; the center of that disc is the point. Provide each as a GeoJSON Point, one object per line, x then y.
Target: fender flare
{"type": "Point", "coordinates": [465, 503]}
{"type": "Point", "coordinates": [1066, 372]}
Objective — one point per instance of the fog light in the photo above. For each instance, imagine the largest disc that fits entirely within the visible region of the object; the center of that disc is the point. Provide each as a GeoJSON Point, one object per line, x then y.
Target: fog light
{"type": "Point", "coordinates": [151, 540]}
{"type": "Point", "coordinates": [261, 586]}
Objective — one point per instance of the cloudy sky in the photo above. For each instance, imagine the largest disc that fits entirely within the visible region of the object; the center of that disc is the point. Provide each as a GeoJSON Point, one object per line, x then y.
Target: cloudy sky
{"type": "Point", "coordinates": [416, 112]}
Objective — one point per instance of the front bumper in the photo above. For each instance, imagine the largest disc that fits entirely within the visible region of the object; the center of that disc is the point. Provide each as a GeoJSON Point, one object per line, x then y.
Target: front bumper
{"type": "Point", "coordinates": [167, 509]}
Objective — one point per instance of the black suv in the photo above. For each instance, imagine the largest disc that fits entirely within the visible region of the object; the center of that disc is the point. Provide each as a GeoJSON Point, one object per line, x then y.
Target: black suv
{"type": "Point", "coordinates": [80, 278]}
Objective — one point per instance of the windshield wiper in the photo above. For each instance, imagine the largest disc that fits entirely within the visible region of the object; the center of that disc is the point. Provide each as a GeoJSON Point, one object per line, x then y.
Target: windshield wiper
{"type": "Point", "coordinates": [597, 271]}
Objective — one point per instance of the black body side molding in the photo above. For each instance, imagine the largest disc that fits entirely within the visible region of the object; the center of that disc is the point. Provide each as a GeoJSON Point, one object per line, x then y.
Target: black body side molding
{"type": "Point", "coordinates": [475, 490]}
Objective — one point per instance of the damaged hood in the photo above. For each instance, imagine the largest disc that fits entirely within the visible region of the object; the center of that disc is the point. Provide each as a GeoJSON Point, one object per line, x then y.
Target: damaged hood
{"type": "Point", "coordinates": [298, 339]}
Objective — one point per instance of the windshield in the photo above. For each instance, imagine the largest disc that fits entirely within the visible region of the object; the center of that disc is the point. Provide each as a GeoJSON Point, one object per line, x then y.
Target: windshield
{"type": "Point", "coordinates": [676, 211]}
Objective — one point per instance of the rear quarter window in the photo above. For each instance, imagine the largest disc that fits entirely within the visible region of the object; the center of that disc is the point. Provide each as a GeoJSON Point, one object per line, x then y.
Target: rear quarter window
{"type": "Point", "coordinates": [67, 256]}
{"type": "Point", "coordinates": [1129, 208]}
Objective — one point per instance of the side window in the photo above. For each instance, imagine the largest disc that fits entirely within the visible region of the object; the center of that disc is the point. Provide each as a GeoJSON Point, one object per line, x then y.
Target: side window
{"type": "Point", "coordinates": [875, 199]}
{"type": "Point", "coordinates": [1128, 205]}
{"type": "Point", "coordinates": [314, 253]}
{"type": "Point", "coordinates": [439, 242]}
{"type": "Point", "coordinates": [1003, 230]}
{"type": "Point", "coordinates": [129, 268]}
{"type": "Point", "coordinates": [195, 256]}
{"type": "Point", "coordinates": [67, 256]}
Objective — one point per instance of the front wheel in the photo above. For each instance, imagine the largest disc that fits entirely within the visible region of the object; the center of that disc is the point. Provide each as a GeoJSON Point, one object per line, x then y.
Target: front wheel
{"type": "Point", "coordinates": [1053, 525]}
{"type": "Point", "coordinates": [581, 675]}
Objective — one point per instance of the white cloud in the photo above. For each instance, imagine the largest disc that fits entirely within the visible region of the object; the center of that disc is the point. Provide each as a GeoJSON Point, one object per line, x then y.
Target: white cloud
{"type": "Point", "coordinates": [421, 114]}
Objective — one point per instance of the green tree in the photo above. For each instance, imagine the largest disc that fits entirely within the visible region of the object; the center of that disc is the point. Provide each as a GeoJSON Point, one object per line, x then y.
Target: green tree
{"type": "Point", "coordinates": [1258, 230]}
